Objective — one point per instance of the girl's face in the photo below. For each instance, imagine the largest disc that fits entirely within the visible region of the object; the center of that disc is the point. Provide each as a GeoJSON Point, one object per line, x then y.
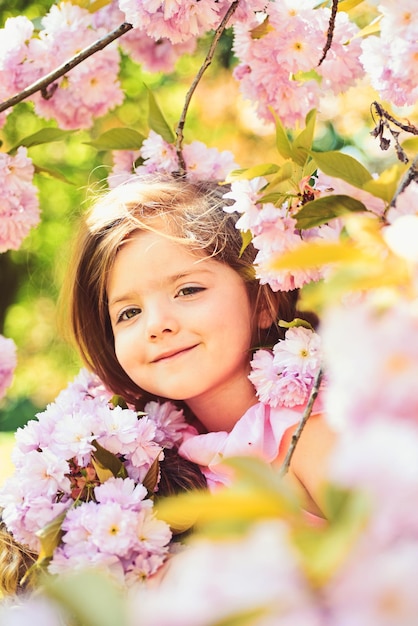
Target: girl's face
{"type": "Point", "coordinates": [182, 327]}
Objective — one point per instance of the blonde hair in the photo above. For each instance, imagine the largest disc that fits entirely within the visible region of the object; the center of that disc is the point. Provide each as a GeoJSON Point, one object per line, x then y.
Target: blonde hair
{"type": "Point", "coordinates": [15, 560]}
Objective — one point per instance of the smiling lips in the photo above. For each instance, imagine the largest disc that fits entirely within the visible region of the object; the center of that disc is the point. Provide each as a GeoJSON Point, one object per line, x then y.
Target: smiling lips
{"type": "Point", "coordinates": [172, 354]}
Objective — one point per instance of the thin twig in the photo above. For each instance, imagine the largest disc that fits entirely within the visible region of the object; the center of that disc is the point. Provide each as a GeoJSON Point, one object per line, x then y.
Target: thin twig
{"type": "Point", "coordinates": [306, 414]}
{"type": "Point", "coordinates": [205, 65]}
{"type": "Point", "coordinates": [410, 176]}
{"type": "Point", "coordinates": [330, 32]}
{"type": "Point", "coordinates": [48, 79]}
{"type": "Point", "coordinates": [385, 120]}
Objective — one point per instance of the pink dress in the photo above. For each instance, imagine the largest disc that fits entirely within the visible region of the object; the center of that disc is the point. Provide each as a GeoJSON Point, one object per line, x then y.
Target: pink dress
{"type": "Point", "coordinates": [258, 433]}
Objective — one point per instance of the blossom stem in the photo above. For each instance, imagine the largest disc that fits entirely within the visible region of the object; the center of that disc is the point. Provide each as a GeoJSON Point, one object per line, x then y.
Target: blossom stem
{"type": "Point", "coordinates": [189, 95]}
{"type": "Point", "coordinates": [42, 84]}
{"type": "Point", "coordinates": [306, 414]}
{"type": "Point", "coordinates": [330, 32]}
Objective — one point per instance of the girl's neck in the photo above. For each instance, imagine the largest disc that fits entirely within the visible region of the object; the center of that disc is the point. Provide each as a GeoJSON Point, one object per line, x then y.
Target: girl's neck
{"type": "Point", "coordinates": [221, 412]}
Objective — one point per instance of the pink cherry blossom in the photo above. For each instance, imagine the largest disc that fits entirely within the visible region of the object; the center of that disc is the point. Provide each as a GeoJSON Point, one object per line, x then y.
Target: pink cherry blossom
{"type": "Point", "coordinates": [276, 71]}
{"type": "Point", "coordinates": [19, 204]}
{"type": "Point", "coordinates": [92, 88]}
{"type": "Point", "coordinates": [285, 376]}
{"type": "Point", "coordinates": [299, 352]}
{"type": "Point", "coordinates": [246, 195]}
{"type": "Point", "coordinates": [177, 20]}
{"type": "Point", "coordinates": [328, 185]}
{"type": "Point", "coordinates": [8, 361]}
{"type": "Point", "coordinates": [198, 592]}
{"type": "Point", "coordinates": [390, 59]}
{"type": "Point", "coordinates": [13, 50]}
{"type": "Point", "coordinates": [406, 203]}
{"type": "Point", "coordinates": [384, 346]}
{"type": "Point", "coordinates": [124, 492]}
{"type": "Point", "coordinates": [170, 423]}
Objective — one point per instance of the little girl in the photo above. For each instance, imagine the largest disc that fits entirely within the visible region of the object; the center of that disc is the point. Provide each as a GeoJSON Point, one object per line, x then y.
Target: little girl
{"type": "Point", "coordinates": [164, 303]}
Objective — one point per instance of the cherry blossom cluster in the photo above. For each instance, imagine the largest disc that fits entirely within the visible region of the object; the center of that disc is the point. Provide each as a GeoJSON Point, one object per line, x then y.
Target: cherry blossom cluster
{"type": "Point", "coordinates": [19, 205]}
{"type": "Point", "coordinates": [279, 55]}
{"type": "Point", "coordinates": [390, 59]}
{"type": "Point", "coordinates": [285, 376]}
{"type": "Point", "coordinates": [159, 156]}
{"type": "Point", "coordinates": [89, 91]}
{"type": "Point", "coordinates": [274, 231]}
{"type": "Point", "coordinates": [182, 21]}
{"type": "Point", "coordinates": [107, 521]}
{"type": "Point", "coordinates": [8, 361]}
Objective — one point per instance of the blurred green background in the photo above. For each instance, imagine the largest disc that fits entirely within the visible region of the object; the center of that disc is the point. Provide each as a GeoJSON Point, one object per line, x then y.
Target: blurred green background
{"type": "Point", "coordinates": [30, 278]}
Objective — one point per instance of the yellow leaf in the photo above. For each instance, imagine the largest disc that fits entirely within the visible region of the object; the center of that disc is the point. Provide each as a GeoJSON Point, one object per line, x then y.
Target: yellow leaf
{"type": "Point", "coordinates": [371, 29]}
{"type": "Point", "coordinates": [316, 254]}
{"type": "Point", "coordinates": [347, 5]}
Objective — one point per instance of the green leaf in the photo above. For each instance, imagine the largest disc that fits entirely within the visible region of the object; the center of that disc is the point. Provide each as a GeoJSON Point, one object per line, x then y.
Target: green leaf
{"type": "Point", "coordinates": [386, 185]}
{"type": "Point", "coordinates": [107, 464]}
{"type": "Point", "coordinates": [118, 139]}
{"type": "Point", "coordinates": [157, 121]}
{"type": "Point", "coordinates": [262, 169]}
{"type": "Point", "coordinates": [295, 323]}
{"type": "Point", "coordinates": [45, 135]}
{"type": "Point", "coordinates": [246, 240]}
{"type": "Point", "coordinates": [285, 172]}
{"type": "Point", "coordinates": [50, 536]}
{"type": "Point", "coordinates": [151, 478]}
{"type": "Point", "coordinates": [90, 597]}
{"type": "Point", "coordinates": [303, 142]}
{"type": "Point", "coordinates": [324, 209]}
{"type": "Point", "coordinates": [344, 166]}
{"type": "Point", "coordinates": [282, 140]}
{"type": "Point", "coordinates": [52, 174]}
{"type": "Point", "coordinates": [117, 400]}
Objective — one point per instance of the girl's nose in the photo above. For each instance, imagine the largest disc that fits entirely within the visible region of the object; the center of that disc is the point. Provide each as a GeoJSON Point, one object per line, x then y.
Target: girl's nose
{"type": "Point", "coordinates": [161, 321]}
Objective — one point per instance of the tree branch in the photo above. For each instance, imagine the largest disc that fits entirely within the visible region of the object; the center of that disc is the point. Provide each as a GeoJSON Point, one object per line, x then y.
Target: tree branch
{"type": "Point", "coordinates": [330, 32]}
{"type": "Point", "coordinates": [306, 414]}
{"type": "Point", "coordinates": [205, 65]}
{"type": "Point", "coordinates": [383, 124]}
{"type": "Point", "coordinates": [410, 176]}
{"type": "Point", "coordinates": [48, 79]}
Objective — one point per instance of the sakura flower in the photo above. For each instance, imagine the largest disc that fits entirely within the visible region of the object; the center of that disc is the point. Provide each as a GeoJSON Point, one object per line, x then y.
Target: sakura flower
{"type": "Point", "coordinates": [277, 233]}
{"type": "Point", "coordinates": [158, 155]}
{"type": "Point", "coordinates": [246, 195]}
{"type": "Point", "coordinates": [8, 361]}
{"type": "Point", "coordinates": [46, 473]}
{"type": "Point", "coordinates": [19, 205]}
{"type": "Point", "coordinates": [207, 163]}
{"type": "Point", "coordinates": [113, 531]}
{"type": "Point", "coordinates": [123, 492]}
{"type": "Point", "coordinates": [178, 21]}
{"type": "Point", "coordinates": [332, 186]}
{"type": "Point", "coordinates": [285, 377]}
{"type": "Point", "coordinates": [299, 352]}
{"type": "Point", "coordinates": [275, 71]}
{"type": "Point", "coordinates": [197, 592]}
{"type": "Point", "coordinates": [406, 203]}
{"type": "Point", "coordinates": [92, 88]}
{"type": "Point", "coordinates": [384, 345]}
{"type": "Point", "coordinates": [13, 50]}
{"type": "Point", "coordinates": [170, 423]}
{"type": "Point", "coordinates": [153, 534]}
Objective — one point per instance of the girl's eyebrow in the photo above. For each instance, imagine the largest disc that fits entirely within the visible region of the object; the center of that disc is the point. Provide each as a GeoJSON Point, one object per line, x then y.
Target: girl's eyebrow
{"type": "Point", "coordinates": [131, 295]}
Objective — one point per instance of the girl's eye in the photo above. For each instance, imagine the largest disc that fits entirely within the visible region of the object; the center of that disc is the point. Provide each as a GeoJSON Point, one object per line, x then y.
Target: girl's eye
{"type": "Point", "coordinates": [128, 314]}
{"type": "Point", "coordinates": [189, 291]}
